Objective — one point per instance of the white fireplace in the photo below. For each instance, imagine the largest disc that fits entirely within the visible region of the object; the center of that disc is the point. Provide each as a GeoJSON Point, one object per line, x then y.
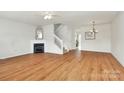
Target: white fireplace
{"type": "Point", "coordinates": [33, 42]}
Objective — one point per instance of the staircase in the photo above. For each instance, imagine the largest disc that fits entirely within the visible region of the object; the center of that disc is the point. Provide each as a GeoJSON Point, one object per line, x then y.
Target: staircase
{"type": "Point", "coordinates": [58, 40]}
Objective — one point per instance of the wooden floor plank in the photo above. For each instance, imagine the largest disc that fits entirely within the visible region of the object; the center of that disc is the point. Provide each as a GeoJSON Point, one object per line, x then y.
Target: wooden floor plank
{"type": "Point", "coordinates": [75, 65]}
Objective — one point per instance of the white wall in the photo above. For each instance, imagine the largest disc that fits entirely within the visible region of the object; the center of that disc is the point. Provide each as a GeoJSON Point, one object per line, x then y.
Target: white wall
{"type": "Point", "coordinates": [102, 43]}
{"type": "Point", "coordinates": [15, 38]}
{"type": "Point", "coordinates": [117, 41]}
{"type": "Point", "coordinates": [48, 31]}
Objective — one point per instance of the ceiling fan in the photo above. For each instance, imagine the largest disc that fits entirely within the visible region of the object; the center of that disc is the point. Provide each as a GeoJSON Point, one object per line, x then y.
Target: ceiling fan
{"type": "Point", "coordinates": [48, 15]}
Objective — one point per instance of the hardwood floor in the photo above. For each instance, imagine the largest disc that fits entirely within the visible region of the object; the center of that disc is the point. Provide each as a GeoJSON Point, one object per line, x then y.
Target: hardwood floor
{"type": "Point", "coordinates": [74, 65]}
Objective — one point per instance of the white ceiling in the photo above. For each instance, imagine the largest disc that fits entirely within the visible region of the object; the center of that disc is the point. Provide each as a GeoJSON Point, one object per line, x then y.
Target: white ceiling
{"type": "Point", "coordinates": [73, 18]}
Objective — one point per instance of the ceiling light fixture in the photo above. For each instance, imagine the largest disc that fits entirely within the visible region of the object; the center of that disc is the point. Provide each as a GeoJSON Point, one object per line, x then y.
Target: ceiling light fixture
{"type": "Point", "coordinates": [93, 28]}
{"type": "Point", "coordinates": [48, 17]}
{"type": "Point", "coordinates": [91, 34]}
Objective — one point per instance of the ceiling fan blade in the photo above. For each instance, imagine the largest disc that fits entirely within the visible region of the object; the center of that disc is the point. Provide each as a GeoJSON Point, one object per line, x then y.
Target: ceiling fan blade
{"type": "Point", "coordinates": [56, 15]}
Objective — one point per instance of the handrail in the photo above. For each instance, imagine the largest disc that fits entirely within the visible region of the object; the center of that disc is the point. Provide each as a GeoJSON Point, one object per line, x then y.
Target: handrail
{"type": "Point", "coordinates": [58, 42]}
{"type": "Point", "coordinates": [58, 29]}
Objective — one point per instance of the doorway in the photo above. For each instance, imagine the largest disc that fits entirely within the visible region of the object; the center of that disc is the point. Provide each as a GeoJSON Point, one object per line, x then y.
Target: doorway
{"type": "Point", "coordinates": [78, 41]}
